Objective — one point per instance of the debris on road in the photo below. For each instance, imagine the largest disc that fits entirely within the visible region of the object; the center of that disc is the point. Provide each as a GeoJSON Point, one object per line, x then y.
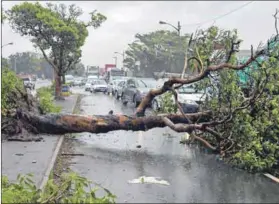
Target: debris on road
{"type": "Point", "coordinates": [151, 179]}
{"type": "Point", "coordinates": [72, 154]}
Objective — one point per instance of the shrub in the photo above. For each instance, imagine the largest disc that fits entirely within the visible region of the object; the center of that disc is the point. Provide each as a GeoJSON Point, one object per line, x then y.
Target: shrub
{"type": "Point", "coordinates": [46, 100]}
{"type": "Point", "coordinates": [10, 84]}
{"type": "Point", "coordinates": [72, 189]}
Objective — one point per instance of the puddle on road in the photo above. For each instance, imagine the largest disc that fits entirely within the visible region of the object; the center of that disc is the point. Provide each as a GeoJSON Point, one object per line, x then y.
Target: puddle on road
{"type": "Point", "coordinates": [149, 179]}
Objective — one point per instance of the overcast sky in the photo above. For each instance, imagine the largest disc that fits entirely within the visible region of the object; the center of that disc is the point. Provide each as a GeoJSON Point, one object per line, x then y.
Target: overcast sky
{"type": "Point", "coordinates": [126, 18]}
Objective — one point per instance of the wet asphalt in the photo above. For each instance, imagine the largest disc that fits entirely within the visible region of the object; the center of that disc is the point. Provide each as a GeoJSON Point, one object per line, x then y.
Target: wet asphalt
{"type": "Point", "coordinates": [113, 158]}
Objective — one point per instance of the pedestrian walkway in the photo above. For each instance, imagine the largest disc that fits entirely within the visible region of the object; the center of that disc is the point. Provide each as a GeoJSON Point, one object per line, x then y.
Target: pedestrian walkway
{"type": "Point", "coordinates": [32, 157]}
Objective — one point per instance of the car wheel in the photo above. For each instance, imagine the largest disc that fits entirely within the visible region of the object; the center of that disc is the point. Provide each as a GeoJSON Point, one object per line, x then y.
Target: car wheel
{"type": "Point", "coordinates": [135, 102]}
{"type": "Point", "coordinates": [155, 106]}
{"type": "Point", "coordinates": [123, 100]}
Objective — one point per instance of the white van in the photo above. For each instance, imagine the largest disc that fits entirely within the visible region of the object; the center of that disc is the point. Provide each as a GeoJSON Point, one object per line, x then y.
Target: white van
{"type": "Point", "coordinates": [69, 79]}
{"type": "Point", "coordinates": [92, 77]}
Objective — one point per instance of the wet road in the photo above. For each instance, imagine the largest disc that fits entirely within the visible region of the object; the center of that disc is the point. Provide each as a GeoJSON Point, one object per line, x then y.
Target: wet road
{"type": "Point", "coordinates": [112, 159]}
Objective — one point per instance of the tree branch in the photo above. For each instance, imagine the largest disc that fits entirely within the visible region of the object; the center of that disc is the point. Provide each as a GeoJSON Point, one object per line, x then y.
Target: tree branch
{"type": "Point", "coordinates": [63, 123]}
{"type": "Point", "coordinates": [168, 84]}
{"type": "Point", "coordinates": [47, 59]}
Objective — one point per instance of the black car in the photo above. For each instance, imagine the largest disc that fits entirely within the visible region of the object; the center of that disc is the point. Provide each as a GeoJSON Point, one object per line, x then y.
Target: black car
{"type": "Point", "coordinates": [135, 90]}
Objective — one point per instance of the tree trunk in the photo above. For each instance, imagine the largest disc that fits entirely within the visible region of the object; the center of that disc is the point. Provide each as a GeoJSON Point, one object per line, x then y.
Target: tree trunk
{"type": "Point", "coordinates": [63, 79]}
{"type": "Point", "coordinates": [58, 86]}
{"type": "Point", "coordinates": [68, 123]}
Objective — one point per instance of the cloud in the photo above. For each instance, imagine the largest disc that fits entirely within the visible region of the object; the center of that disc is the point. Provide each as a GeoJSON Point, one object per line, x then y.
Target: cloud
{"type": "Point", "coordinates": [126, 18]}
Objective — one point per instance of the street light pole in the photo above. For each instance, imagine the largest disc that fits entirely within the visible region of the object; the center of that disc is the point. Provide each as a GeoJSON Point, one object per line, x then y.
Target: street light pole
{"type": "Point", "coordinates": [178, 28]}
{"type": "Point", "coordinates": [123, 57]}
{"type": "Point", "coordinates": [11, 43]}
{"type": "Point", "coordinates": [115, 58]}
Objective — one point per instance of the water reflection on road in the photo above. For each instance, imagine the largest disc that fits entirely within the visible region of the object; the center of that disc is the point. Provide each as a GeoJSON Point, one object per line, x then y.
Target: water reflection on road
{"type": "Point", "coordinates": [113, 158]}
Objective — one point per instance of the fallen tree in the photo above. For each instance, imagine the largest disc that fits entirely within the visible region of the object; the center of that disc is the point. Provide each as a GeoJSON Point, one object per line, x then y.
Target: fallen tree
{"type": "Point", "coordinates": [238, 123]}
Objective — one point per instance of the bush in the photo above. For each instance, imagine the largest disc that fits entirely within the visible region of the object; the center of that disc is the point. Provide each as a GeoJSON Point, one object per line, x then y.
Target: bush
{"type": "Point", "coordinates": [10, 84]}
{"type": "Point", "coordinates": [46, 100]}
{"type": "Point", "coordinates": [72, 189]}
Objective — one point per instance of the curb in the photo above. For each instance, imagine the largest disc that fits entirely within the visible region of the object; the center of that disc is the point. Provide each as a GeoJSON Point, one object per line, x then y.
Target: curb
{"type": "Point", "coordinates": [54, 155]}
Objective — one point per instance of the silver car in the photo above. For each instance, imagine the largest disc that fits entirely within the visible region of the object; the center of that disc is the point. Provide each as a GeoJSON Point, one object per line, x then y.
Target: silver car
{"type": "Point", "coordinates": [113, 85]}
{"type": "Point", "coordinates": [119, 89]}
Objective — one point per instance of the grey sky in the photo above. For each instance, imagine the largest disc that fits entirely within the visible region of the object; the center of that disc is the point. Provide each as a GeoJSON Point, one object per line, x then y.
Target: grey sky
{"type": "Point", "coordinates": [124, 19]}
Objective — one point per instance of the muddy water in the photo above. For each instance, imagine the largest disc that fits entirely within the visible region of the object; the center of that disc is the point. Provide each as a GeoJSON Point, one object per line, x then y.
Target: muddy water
{"type": "Point", "coordinates": [113, 159]}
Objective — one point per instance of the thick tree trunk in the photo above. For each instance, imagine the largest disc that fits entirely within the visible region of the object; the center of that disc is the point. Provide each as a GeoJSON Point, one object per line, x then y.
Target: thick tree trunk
{"type": "Point", "coordinates": [63, 79]}
{"type": "Point", "coordinates": [61, 124]}
{"type": "Point", "coordinates": [58, 87]}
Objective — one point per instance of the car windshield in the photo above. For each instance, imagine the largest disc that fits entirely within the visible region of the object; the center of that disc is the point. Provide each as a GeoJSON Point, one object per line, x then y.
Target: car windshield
{"type": "Point", "coordinates": [26, 79]}
{"type": "Point", "coordinates": [115, 82]}
{"type": "Point", "coordinates": [149, 83]}
{"type": "Point", "coordinates": [141, 84]}
{"type": "Point", "coordinates": [100, 82]}
{"type": "Point", "coordinates": [190, 89]}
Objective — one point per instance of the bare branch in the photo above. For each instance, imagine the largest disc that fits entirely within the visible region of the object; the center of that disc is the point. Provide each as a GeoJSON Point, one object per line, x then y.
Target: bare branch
{"type": "Point", "coordinates": [276, 19]}
{"type": "Point", "coordinates": [168, 84]}
{"type": "Point", "coordinates": [178, 105]}
{"type": "Point", "coordinates": [47, 59]}
{"type": "Point", "coordinates": [188, 128]}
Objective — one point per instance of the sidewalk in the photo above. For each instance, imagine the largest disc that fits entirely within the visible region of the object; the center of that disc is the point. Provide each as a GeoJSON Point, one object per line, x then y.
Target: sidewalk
{"type": "Point", "coordinates": [32, 157]}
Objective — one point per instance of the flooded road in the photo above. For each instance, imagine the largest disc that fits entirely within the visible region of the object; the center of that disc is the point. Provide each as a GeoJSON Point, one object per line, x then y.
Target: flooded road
{"type": "Point", "coordinates": [112, 159]}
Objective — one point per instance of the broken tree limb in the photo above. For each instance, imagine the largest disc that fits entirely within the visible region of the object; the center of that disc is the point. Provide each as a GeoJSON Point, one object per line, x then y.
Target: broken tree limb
{"type": "Point", "coordinates": [61, 124]}
{"type": "Point", "coordinates": [169, 84]}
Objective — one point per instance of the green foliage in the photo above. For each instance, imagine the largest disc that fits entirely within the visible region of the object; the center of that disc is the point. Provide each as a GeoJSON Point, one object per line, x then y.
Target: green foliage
{"type": "Point", "coordinates": [250, 139]}
{"type": "Point", "coordinates": [3, 15]}
{"type": "Point", "coordinates": [253, 130]}
{"type": "Point", "coordinates": [72, 189]}
{"type": "Point", "coordinates": [55, 28]}
{"type": "Point", "coordinates": [168, 104]}
{"type": "Point", "coordinates": [10, 83]}
{"type": "Point", "coordinates": [46, 100]}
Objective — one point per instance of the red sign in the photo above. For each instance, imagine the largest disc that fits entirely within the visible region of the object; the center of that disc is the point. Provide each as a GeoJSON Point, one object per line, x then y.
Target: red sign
{"type": "Point", "coordinates": [109, 66]}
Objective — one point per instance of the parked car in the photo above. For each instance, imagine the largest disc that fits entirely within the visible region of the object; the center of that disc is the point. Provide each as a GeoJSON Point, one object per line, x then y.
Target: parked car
{"type": "Point", "coordinates": [99, 86]}
{"type": "Point", "coordinates": [187, 96]}
{"type": "Point", "coordinates": [28, 83]}
{"type": "Point", "coordinates": [113, 85]}
{"type": "Point", "coordinates": [135, 89]}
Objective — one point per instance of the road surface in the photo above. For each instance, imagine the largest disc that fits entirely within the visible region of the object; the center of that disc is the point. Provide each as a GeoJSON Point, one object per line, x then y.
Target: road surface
{"type": "Point", "coordinates": [113, 158]}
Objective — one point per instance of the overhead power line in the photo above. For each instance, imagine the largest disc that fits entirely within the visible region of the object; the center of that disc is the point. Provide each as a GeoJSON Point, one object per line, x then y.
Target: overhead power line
{"type": "Point", "coordinates": [221, 16]}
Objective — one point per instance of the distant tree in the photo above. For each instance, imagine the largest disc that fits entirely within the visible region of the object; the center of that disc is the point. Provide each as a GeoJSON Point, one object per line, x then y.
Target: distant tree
{"type": "Point", "coordinates": [78, 69]}
{"type": "Point", "coordinates": [25, 62]}
{"type": "Point", "coordinates": [4, 63]}
{"type": "Point", "coordinates": [165, 51]}
{"type": "Point", "coordinates": [56, 30]}
{"type": "Point", "coordinates": [157, 51]}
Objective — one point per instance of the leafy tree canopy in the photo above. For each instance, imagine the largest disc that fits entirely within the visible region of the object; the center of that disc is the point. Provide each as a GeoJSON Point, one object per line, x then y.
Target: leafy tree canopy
{"type": "Point", "coordinates": [56, 28]}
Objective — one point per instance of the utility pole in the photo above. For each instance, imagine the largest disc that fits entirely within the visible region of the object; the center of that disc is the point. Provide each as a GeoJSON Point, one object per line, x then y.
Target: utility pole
{"type": "Point", "coordinates": [178, 28]}
{"type": "Point", "coordinates": [123, 57]}
{"type": "Point", "coordinates": [115, 58]}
